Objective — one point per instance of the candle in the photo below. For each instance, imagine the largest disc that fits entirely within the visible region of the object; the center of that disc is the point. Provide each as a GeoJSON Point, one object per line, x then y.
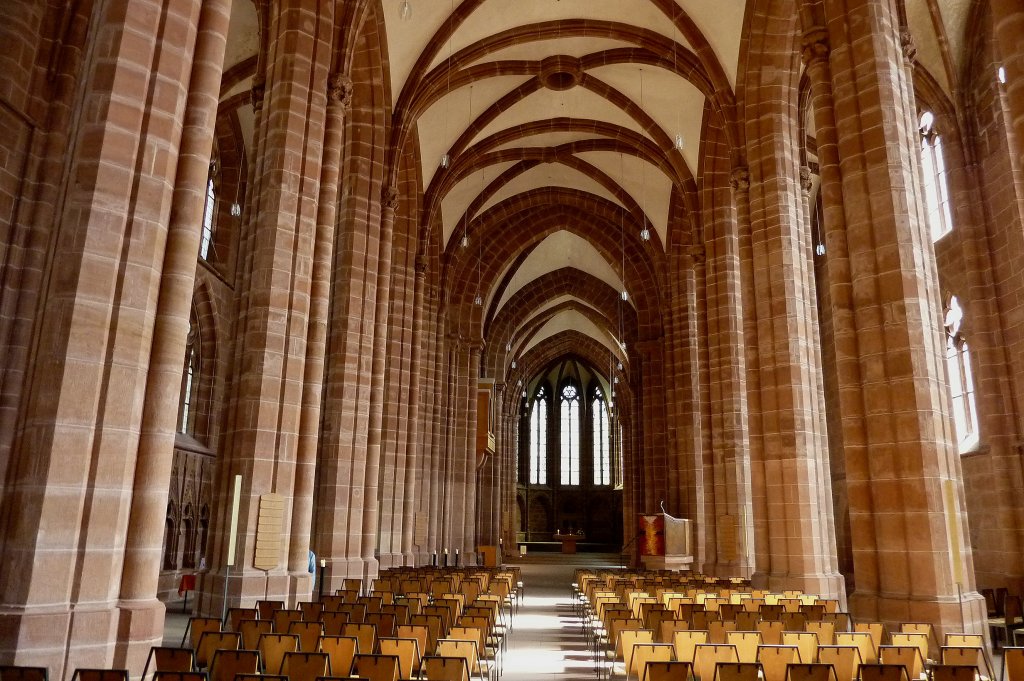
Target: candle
{"type": "Point", "coordinates": [323, 563]}
{"type": "Point", "coordinates": [446, 552]}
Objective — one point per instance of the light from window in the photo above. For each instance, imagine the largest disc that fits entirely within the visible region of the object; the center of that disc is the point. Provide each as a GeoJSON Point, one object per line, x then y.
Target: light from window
{"type": "Point", "coordinates": [188, 391]}
{"type": "Point", "coordinates": [570, 412]}
{"type": "Point", "coordinates": [602, 449]}
{"type": "Point", "coordinates": [961, 380]}
{"type": "Point", "coordinates": [211, 202]}
{"type": "Point", "coordinates": [539, 440]}
{"type": "Point", "coordinates": [936, 188]}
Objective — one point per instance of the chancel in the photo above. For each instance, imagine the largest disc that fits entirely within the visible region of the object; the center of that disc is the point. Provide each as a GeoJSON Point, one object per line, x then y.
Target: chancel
{"type": "Point", "coordinates": [319, 314]}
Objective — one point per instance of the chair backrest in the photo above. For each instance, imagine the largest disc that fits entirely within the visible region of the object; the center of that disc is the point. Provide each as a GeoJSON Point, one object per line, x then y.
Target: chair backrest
{"type": "Point", "coordinates": [334, 622]}
{"type": "Point", "coordinates": [775, 659]}
{"type": "Point", "coordinates": [384, 621]}
{"type": "Point", "coordinates": [366, 633]}
{"type": "Point", "coordinates": [309, 634]}
{"type": "Point", "coordinates": [883, 672]}
{"type": "Point", "coordinates": [11, 672]}
{"type": "Point", "coordinates": [1013, 664]}
{"type": "Point", "coordinates": [179, 676]}
{"type": "Point", "coordinates": [965, 640]}
{"type": "Point", "coordinates": [83, 674]}
{"type": "Point", "coordinates": [737, 671]}
{"type": "Point", "coordinates": [376, 667]}
{"type": "Point", "coordinates": [266, 609]}
{"type": "Point", "coordinates": [644, 653]}
{"type": "Point", "coordinates": [771, 631]}
{"type": "Point", "coordinates": [305, 666]}
{"type": "Point", "coordinates": [450, 647]}
{"type": "Point", "coordinates": [237, 615]}
{"type": "Point", "coordinates": [668, 628]}
{"type": "Point", "coordinates": [407, 650]}
{"type": "Point", "coordinates": [629, 638]}
{"type": "Point", "coordinates": [311, 610]}
{"type": "Point", "coordinates": [951, 672]}
{"type": "Point", "coordinates": [746, 620]}
{"type": "Point", "coordinates": [668, 671]}
{"type": "Point", "coordinates": [793, 621]}
{"type": "Point", "coordinates": [332, 602]}
{"type": "Point", "coordinates": [685, 643]}
{"type": "Point", "coordinates": [863, 641]}
{"type": "Point", "coordinates": [707, 655]}
{"type": "Point", "coordinates": [876, 629]}
{"type": "Point", "coordinates": [805, 641]}
{"type": "Point", "coordinates": [226, 664]}
{"type": "Point", "coordinates": [966, 656]}
{"type": "Point", "coordinates": [251, 630]}
{"type": "Point", "coordinates": [168, 659]}
{"type": "Point", "coordinates": [746, 643]}
{"type": "Point", "coordinates": [908, 656]}
{"type": "Point", "coordinates": [826, 632]}
{"type": "Point", "coordinates": [273, 647]}
{"type": "Point", "coordinates": [844, 659]}
{"type": "Point", "coordinates": [284, 618]}
{"type": "Point", "coordinates": [197, 626]}
{"type": "Point", "coordinates": [810, 672]}
{"type": "Point", "coordinates": [340, 652]}
{"type": "Point", "coordinates": [416, 631]}
{"type": "Point", "coordinates": [437, 668]}
{"type": "Point", "coordinates": [904, 638]}
{"type": "Point", "coordinates": [212, 641]}
{"type": "Point", "coordinates": [433, 624]}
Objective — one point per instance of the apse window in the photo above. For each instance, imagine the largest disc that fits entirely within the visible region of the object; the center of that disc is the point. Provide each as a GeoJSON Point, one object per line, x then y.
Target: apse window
{"type": "Point", "coordinates": [208, 218]}
{"type": "Point", "coordinates": [189, 380]}
{"type": "Point", "coordinates": [961, 380]}
{"type": "Point", "coordinates": [936, 187]}
{"type": "Point", "coordinates": [539, 439]}
{"type": "Point", "coordinates": [569, 409]}
{"type": "Point", "coordinates": [602, 440]}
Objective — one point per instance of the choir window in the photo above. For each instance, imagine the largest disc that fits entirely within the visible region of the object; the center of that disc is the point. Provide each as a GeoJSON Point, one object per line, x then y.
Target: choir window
{"type": "Point", "coordinates": [208, 216]}
{"type": "Point", "coordinates": [601, 440]}
{"type": "Point", "coordinates": [936, 188]}
{"type": "Point", "coordinates": [961, 380]}
{"type": "Point", "coordinates": [539, 439]}
{"type": "Point", "coordinates": [189, 380]}
{"type": "Point", "coordinates": [569, 409]}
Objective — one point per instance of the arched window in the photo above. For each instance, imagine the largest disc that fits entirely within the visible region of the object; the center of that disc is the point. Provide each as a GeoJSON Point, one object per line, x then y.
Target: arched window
{"type": "Point", "coordinates": [601, 440]}
{"type": "Point", "coordinates": [208, 215]}
{"type": "Point", "coordinates": [569, 409]}
{"type": "Point", "coordinates": [539, 439]}
{"type": "Point", "coordinates": [189, 379]}
{"type": "Point", "coordinates": [936, 189]}
{"type": "Point", "coordinates": [961, 380]}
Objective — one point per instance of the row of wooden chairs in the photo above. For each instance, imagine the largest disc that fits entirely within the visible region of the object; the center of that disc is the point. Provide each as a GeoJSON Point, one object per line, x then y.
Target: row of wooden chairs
{"type": "Point", "coordinates": [753, 671]}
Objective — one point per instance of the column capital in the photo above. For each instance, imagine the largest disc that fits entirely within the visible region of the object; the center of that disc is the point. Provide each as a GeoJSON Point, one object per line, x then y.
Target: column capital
{"type": "Point", "coordinates": [421, 264]}
{"type": "Point", "coordinates": [389, 197]}
{"type": "Point", "coordinates": [806, 179]}
{"type": "Point", "coordinates": [257, 93]}
{"type": "Point", "coordinates": [739, 178]}
{"type": "Point", "coordinates": [814, 46]}
{"type": "Point", "coordinates": [909, 46]}
{"type": "Point", "coordinates": [339, 90]}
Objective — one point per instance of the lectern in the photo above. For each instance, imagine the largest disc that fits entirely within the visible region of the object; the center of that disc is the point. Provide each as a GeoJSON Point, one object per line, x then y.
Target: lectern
{"type": "Point", "coordinates": [665, 542]}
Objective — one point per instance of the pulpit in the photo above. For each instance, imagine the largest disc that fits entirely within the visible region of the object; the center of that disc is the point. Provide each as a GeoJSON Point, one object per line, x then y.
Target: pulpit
{"type": "Point", "coordinates": [665, 542]}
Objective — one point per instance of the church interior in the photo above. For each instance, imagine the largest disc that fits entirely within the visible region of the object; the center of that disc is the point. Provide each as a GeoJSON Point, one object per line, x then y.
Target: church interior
{"type": "Point", "coordinates": [294, 292]}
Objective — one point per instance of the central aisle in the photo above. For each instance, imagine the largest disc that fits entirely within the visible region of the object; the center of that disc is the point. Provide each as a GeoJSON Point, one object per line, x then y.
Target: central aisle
{"type": "Point", "coordinates": [547, 641]}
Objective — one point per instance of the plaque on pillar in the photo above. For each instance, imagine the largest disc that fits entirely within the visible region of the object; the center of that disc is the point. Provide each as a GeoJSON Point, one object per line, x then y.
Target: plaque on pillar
{"type": "Point", "coordinates": [665, 542]}
{"type": "Point", "coordinates": [269, 529]}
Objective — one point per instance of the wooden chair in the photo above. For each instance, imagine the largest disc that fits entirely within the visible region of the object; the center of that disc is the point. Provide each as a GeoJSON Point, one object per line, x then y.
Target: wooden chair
{"type": "Point", "coordinates": [100, 675]}
{"type": "Point", "coordinates": [903, 638]}
{"type": "Point", "coordinates": [376, 667]}
{"type": "Point", "coordinates": [825, 631]}
{"type": "Point", "coordinates": [266, 609]}
{"type": "Point", "coordinates": [211, 642]}
{"type": "Point", "coordinates": [806, 642]}
{"type": "Point", "coordinates": [876, 629]}
{"type": "Point", "coordinates": [685, 644]}
{"type": "Point", "coordinates": [227, 664]}
{"type": "Point", "coordinates": [384, 621]}
{"type": "Point", "coordinates": [952, 672]}
{"type": "Point", "coordinates": [908, 656]}
{"type": "Point", "coordinates": [746, 620]}
{"type": "Point", "coordinates": [251, 630]}
{"type": "Point", "coordinates": [746, 643]}
{"type": "Point", "coordinates": [196, 627]}
{"type": "Point", "coordinates": [466, 649]}
{"type": "Point", "coordinates": [304, 666]}
{"type": "Point", "coordinates": [644, 653]}
{"type": "Point", "coordinates": [283, 619]}
{"type": "Point", "coordinates": [775, 659]}
{"type": "Point", "coordinates": [707, 655]}
{"type": "Point", "coordinates": [332, 602]}
{"type": "Point", "coordinates": [810, 672]}
{"type": "Point", "coordinates": [10, 672]}
{"type": "Point", "coordinates": [235, 617]}
{"type": "Point", "coordinates": [737, 671]}
{"type": "Point", "coordinates": [967, 656]}
{"type": "Point", "coordinates": [353, 584]}
{"type": "Point", "coordinates": [309, 634]}
{"type": "Point", "coordinates": [340, 650]}
{"type": "Point", "coordinates": [863, 641]}
{"type": "Point", "coordinates": [273, 648]}
{"type": "Point", "coordinates": [168, 659]}
{"type": "Point", "coordinates": [407, 650]}
{"type": "Point", "coordinates": [180, 676]}
{"type": "Point", "coordinates": [771, 632]}
{"type": "Point", "coordinates": [628, 639]}
{"type": "Point", "coordinates": [416, 631]}
{"type": "Point", "coordinates": [437, 668]}
{"type": "Point", "coordinates": [334, 622]}
{"type": "Point", "coordinates": [1004, 623]}
{"type": "Point", "coordinates": [883, 672]}
{"type": "Point", "coordinates": [311, 611]}
{"type": "Point", "coordinates": [367, 635]}
{"type": "Point", "coordinates": [1013, 664]}
{"type": "Point", "coordinates": [844, 659]}
{"type": "Point", "coordinates": [964, 640]}
{"type": "Point", "coordinates": [793, 621]}
{"type": "Point", "coordinates": [433, 624]}
{"type": "Point", "coordinates": [668, 671]}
